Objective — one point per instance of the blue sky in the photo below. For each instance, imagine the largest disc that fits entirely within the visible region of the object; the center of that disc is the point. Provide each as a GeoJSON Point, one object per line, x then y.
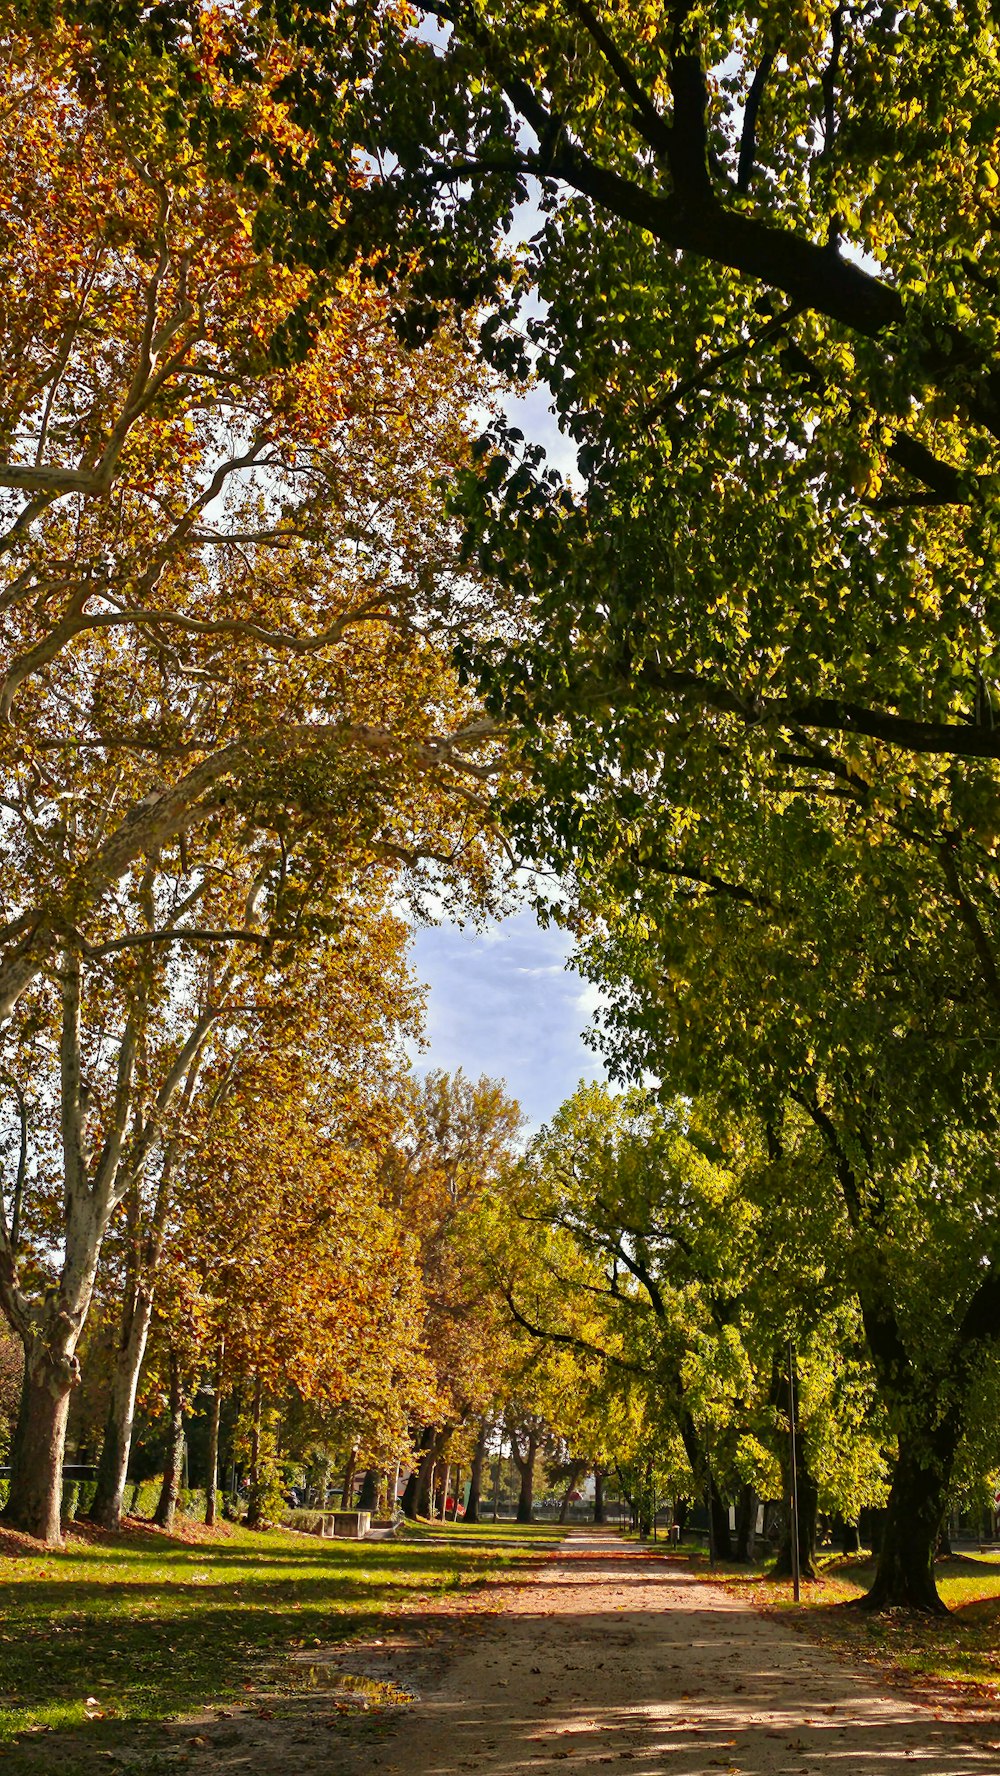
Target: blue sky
{"type": "Point", "coordinates": [502, 1002]}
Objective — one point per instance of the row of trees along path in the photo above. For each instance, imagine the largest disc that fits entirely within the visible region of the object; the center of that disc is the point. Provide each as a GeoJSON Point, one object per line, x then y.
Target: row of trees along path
{"type": "Point", "coordinates": [748, 653]}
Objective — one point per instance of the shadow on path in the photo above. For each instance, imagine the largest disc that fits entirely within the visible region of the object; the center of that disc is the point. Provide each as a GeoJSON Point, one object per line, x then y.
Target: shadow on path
{"type": "Point", "coordinates": [631, 1662]}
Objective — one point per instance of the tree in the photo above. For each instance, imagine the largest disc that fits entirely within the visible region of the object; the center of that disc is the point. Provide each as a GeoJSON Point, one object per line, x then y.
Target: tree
{"type": "Point", "coordinates": [529, 1436]}
{"type": "Point", "coordinates": [302, 1274]}
{"type": "Point", "coordinates": [666, 1241]}
{"type": "Point", "coordinates": [156, 631]}
{"type": "Point", "coordinates": [339, 1008]}
{"type": "Point", "coordinates": [674, 1255]}
{"type": "Point", "coordinates": [444, 1176]}
{"type": "Point", "coordinates": [231, 591]}
{"type": "Point", "coordinates": [765, 268]}
{"type": "Point", "coordinates": [107, 1119]}
{"type": "Point", "coordinates": [846, 1006]}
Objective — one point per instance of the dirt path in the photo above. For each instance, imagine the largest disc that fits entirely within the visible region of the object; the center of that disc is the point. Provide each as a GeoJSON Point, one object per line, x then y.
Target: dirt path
{"type": "Point", "coordinates": [613, 1656]}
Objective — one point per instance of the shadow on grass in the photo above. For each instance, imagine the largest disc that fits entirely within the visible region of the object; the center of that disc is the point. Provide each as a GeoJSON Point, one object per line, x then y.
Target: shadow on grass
{"type": "Point", "coordinates": [144, 1627]}
{"type": "Point", "coordinates": [699, 1690]}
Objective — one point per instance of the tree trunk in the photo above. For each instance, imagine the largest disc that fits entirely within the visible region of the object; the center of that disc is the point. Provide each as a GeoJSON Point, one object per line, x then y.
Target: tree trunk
{"type": "Point", "coordinates": [918, 1502]}
{"type": "Point", "coordinates": [212, 1479]}
{"type": "Point", "coordinates": [808, 1513]}
{"type": "Point", "coordinates": [255, 1501]}
{"type": "Point", "coordinates": [626, 1496]}
{"type": "Point", "coordinates": [368, 1496]}
{"type": "Point", "coordinates": [412, 1489]}
{"type": "Point", "coordinates": [425, 1482]}
{"type": "Point", "coordinates": [599, 1516]}
{"type": "Point", "coordinates": [746, 1522]}
{"type": "Point", "coordinates": [847, 1534]}
{"type": "Point", "coordinates": [444, 1492]}
{"type": "Point", "coordinates": [137, 1312]}
{"type": "Point", "coordinates": [35, 1500]}
{"type": "Point", "coordinates": [347, 1488]}
{"type": "Point", "coordinates": [112, 1472]}
{"type": "Point", "coordinates": [721, 1534]}
{"type": "Point", "coordinates": [807, 1489]}
{"type": "Point", "coordinates": [526, 1469]}
{"type": "Point", "coordinates": [476, 1476]}
{"type": "Point", "coordinates": [166, 1508]}
{"type": "Point", "coordinates": [574, 1475]}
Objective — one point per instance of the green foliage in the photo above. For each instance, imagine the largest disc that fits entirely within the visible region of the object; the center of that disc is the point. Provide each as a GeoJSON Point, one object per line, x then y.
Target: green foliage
{"type": "Point", "coordinates": [657, 1245]}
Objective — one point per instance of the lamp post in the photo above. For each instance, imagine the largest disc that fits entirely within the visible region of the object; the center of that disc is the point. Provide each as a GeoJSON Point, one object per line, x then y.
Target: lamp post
{"type": "Point", "coordinates": [796, 1576]}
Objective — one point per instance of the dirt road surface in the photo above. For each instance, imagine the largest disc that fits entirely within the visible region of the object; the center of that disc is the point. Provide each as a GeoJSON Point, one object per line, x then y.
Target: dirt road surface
{"type": "Point", "coordinates": [613, 1657]}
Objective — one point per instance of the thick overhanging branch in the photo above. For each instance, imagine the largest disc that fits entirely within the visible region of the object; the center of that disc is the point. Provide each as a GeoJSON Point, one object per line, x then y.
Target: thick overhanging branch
{"type": "Point", "coordinates": [832, 715]}
{"type": "Point", "coordinates": [164, 814]}
{"type": "Point", "coordinates": [691, 219]}
{"type": "Point", "coordinates": [571, 1341]}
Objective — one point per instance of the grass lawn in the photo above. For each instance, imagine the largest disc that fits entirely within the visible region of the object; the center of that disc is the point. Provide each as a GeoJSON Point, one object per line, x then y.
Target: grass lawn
{"type": "Point", "coordinates": [956, 1657]}
{"type": "Point", "coordinates": [114, 1634]}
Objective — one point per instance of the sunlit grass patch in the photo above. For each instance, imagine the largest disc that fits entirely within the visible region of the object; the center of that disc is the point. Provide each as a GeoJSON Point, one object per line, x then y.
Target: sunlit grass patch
{"type": "Point", "coordinates": [137, 1629]}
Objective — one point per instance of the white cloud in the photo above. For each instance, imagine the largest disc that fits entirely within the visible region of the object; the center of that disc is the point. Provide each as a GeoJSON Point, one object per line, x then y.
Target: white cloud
{"type": "Point", "coordinates": [502, 1002]}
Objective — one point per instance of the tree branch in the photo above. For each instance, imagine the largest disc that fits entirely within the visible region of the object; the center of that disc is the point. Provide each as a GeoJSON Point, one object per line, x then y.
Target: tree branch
{"type": "Point", "coordinates": [972, 922]}
{"type": "Point", "coordinates": [654, 128]}
{"type": "Point", "coordinates": [179, 934]}
{"type": "Point", "coordinates": [832, 714]}
{"type": "Point", "coordinates": [715, 885]}
{"type": "Point", "coordinates": [569, 1339]}
{"type": "Point", "coordinates": [748, 139]}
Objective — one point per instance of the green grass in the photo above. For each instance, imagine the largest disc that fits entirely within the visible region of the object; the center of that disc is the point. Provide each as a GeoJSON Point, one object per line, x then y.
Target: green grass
{"type": "Point", "coordinates": [110, 1635]}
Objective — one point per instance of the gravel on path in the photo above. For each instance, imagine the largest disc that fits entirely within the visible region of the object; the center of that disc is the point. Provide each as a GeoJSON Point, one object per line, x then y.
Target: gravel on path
{"type": "Point", "coordinates": [615, 1656]}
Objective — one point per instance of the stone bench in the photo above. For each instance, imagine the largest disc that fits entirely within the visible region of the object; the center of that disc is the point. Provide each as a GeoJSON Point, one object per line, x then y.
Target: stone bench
{"type": "Point", "coordinates": [349, 1525]}
{"type": "Point", "coordinates": [352, 1525]}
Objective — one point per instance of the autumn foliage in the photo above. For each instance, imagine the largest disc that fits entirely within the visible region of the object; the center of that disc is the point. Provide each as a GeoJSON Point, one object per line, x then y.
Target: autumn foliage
{"type": "Point", "coordinates": [235, 754]}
